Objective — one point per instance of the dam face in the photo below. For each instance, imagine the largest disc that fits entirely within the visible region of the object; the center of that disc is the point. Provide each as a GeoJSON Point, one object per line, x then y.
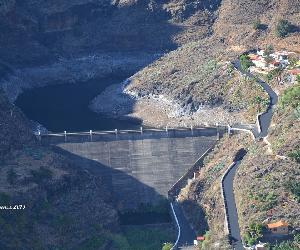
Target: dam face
{"type": "Point", "coordinates": [139, 168]}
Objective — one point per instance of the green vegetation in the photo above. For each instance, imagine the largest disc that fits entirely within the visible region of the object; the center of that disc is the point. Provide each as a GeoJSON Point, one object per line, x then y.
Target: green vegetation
{"type": "Point", "coordinates": [262, 103]}
{"type": "Point", "coordinates": [286, 245]}
{"type": "Point", "coordinates": [213, 170]}
{"type": "Point", "coordinates": [274, 73]}
{"type": "Point", "coordinates": [293, 60]}
{"type": "Point", "coordinates": [293, 186]}
{"type": "Point", "coordinates": [167, 246]}
{"type": "Point", "coordinates": [298, 78]}
{"type": "Point", "coordinates": [266, 200]}
{"type": "Point", "coordinates": [230, 68]}
{"type": "Point", "coordinates": [210, 66]}
{"type": "Point", "coordinates": [147, 238]}
{"type": "Point", "coordinates": [245, 62]}
{"type": "Point", "coordinates": [269, 50]}
{"type": "Point", "coordinates": [297, 113]}
{"type": "Point", "coordinates": [283, 28]}
{"type": "Point", "coordinates": [101, 241]}
{"type": "Point", "coordinates": [297, 238]}
{"type": "Point", "coordinates": [253, 233]}
{"type": "Point", "coordinates": [295, 155]}
{"type": "Point", "coordinates": [204, 244]}
{"type": "Point", "coordinates": [291, 97]}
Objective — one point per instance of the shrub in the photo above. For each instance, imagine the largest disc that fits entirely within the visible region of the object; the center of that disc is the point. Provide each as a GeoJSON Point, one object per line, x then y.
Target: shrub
{"type": "Point", "coordinates": [295, 155]}
{"type": "Point", "coordinates": [167, 246]}
{"type": "Point", "coordinates": [291, 97]}
{"type": "Point", "coordinates": [230, 68]}
{"type": "Point", "coordinates": [294, 187]}
{"type": "Point", "coordinates": [297, 113]}
{"type": "Point", "coordinates": [297, 238]}
{"type": "Point", "coordinates": [204, 244]}
{"type": "Point", "coordinates": [286, 245]}
{"type": "Point", "coordinates": [298, 78]}
{"type": "Point", "coordinates": [274, 73]}
{"type": "Point", "coordinates": [283, 28]}
{"type": "Point", "coordinates": [269, 50]}
{"type": "Point", "coordinates": [245, 62]}
{"type": "Point", "coordinates": [253, 233]}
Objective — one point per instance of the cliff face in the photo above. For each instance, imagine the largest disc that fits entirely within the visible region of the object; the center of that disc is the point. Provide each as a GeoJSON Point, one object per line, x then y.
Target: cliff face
{"type": "Point", "coordinates": [37, 31]}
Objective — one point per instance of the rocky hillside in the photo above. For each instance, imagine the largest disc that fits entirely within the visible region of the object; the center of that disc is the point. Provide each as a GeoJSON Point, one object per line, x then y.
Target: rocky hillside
{"type": "Point", "coordinates": [186, 77]}
{"type": "Point", "coordinates": [38, 31]}
{"type": "Point", "coordinates": [50, 41]}
{"type": "Point", "coordinates": [65, 206]}
{"type": "Point", "coordinates": [266, 183]}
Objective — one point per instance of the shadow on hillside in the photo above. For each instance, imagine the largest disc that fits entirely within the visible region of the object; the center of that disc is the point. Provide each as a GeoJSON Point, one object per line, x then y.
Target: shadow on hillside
{"type": "Point", "coordinates": [196, 212]}
{"type": "Point", "coordinates": [295, 28]}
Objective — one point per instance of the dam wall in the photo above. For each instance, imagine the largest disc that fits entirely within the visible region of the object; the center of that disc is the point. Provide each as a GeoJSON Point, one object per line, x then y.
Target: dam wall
{"type": "Point", "coordinates": [139, 168]}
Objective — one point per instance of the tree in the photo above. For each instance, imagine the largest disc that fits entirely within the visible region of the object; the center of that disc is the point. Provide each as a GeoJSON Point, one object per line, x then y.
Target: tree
{"type": "Point", "coordinates": [295, 155]}
{"type": "Point", "coordinates": [286, 245]}
{"type": "Point", "coordinates": [245, 62]}
{"type": "Point", "coordinates": [291, 97]}
{"type": "Point", "coordinates": [297, 238]}
{"type": "Point", "coordinates": [269, 50]}
{"type": "Point", "coordinates": [283, 28]}
{"type": "Point", "coordinates": [294, 188]}
{"type": "Point", "coordinates": [253, 233]}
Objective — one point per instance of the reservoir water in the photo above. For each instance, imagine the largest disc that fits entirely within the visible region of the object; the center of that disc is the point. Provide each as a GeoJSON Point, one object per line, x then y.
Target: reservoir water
{"type": "Point", "coordinates": [64, 106]}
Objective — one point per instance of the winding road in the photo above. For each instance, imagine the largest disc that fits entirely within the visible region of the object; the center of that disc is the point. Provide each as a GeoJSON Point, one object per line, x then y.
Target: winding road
{"type": "Point", "coordinates": [266, 117]}
{"type": "Point", "coordinates": [227, 181]}
{"type": "Point", "coordinates": [187, 234]}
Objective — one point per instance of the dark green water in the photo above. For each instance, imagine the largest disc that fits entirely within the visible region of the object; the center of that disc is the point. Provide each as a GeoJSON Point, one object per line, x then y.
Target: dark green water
{"type": "Point", "coordinates": [63, 107]}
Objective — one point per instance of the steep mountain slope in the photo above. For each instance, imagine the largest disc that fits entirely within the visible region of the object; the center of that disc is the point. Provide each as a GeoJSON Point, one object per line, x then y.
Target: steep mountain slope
{"type": "Point", "coordinates": [196, 77]}
{"type": "Point", "coordinates": [186, 77]}
{"type": "Point", "coordinates": [65, 206]}
{"type": "Point", "coordinates": [38, 31]}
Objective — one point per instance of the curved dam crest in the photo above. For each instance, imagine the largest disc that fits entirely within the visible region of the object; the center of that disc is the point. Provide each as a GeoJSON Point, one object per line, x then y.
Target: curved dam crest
{"type": "Point", "coordinates": [138, 168]}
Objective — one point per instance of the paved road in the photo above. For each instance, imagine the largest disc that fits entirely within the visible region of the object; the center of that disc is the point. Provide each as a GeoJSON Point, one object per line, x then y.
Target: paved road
{"type": "Point", "coordinates": [235, 235]}
{"type": "Point", "coordinates": [266, 117]}
{"type": "Point", "coordinates": [187, 234]}
{"type": "Point", "coordinates": [265, 121]}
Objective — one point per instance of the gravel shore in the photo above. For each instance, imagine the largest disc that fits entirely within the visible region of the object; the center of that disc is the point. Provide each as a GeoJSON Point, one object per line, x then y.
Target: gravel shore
{"type": "Point", "coordinates": [158, 111]}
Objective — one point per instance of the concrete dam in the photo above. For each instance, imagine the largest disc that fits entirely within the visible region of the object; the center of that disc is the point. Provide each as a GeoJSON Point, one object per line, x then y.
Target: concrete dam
{"type": "Point", "coordinates": [139, 167]}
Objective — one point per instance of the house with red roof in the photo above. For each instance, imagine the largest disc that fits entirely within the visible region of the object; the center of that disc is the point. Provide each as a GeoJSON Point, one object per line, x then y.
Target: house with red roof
{"type": "Point", "coordinates": [279, 227]}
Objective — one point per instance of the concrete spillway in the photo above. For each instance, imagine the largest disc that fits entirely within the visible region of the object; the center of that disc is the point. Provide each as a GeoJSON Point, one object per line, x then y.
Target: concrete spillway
{"type": "Point", "coordinates": [139, 168]}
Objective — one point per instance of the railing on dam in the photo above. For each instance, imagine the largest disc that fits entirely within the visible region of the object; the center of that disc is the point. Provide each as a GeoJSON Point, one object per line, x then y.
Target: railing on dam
{"type": "Point", "coordinates": [137, 134]}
